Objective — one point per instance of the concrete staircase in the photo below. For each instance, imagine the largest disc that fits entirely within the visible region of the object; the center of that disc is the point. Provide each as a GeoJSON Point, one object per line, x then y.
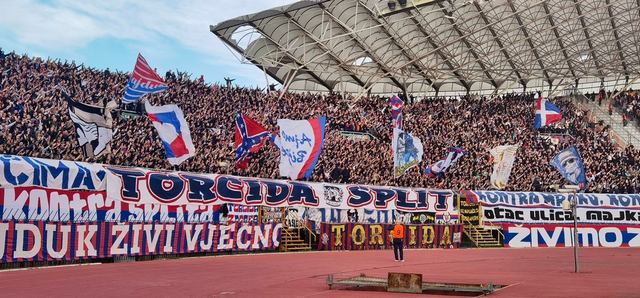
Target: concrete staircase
{"type": "Point", "coordinates": [628, 135]}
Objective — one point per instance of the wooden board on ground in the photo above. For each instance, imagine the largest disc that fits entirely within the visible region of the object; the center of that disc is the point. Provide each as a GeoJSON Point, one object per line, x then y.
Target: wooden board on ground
{"type": "Point", "coordinates": [404, 282]}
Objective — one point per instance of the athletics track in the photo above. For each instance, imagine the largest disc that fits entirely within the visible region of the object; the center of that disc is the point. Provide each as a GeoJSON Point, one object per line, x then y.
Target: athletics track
{"type": "Point", "coordinates": [531, 272]}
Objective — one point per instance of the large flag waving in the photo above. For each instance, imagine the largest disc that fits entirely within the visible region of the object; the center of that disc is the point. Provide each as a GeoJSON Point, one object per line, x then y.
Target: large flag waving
{"type": "Point", "coordinates": [143, 80]}
{"type": "Point", "coordinates": [439, 168]}
{"type": "Point", "coordinates": [397, 105]}
{"type": "Point", "coordinates": [300, 143]}
{"type": "Point", "coordinates": [503, 159]}
{"type": "Point", "coordinates": [173, 130]}
{"type": "Point", "coordinates": [546, 113]}
{"type": "Point", "coordinates": [407, 151]}
{"type": "Point", "coordinates": [570, 165]}
{"type": "Point", "coordinates": [93, 128]}
{"type": "Point", "coordinates": [250, 136]}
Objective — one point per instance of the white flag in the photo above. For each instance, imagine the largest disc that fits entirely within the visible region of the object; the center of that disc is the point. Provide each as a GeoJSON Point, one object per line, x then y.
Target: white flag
{"type": "Point", "coordinates": [300, 143]}
{"type": "Point", "coordinates": [93, 126]}
{"type": "Point", "coordinates": [503, 159]}
{"type": "Point", "coordinates": [407, 151]}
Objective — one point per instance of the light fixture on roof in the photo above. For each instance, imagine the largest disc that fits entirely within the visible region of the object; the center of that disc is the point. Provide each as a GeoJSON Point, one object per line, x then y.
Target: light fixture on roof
{"type": "Point", "coordinates": [584, 57]}
{"type": "Point", "coordinates": [404, 5]}
{"type": "Point", "coordinates": [391, 5]}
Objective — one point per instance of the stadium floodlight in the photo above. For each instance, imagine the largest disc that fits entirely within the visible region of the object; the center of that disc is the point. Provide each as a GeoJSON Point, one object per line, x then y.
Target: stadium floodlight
{"type": "Point", "coordinates": [404, 6]}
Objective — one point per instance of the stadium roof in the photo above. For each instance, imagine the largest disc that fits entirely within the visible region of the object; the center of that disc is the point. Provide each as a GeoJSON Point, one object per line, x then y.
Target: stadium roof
{"type": "Point", "coordinates": [430, 45]}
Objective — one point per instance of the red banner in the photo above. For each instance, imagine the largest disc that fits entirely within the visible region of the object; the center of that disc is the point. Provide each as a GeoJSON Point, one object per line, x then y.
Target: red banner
{"type": "Point", "coordinates": [376, 236]}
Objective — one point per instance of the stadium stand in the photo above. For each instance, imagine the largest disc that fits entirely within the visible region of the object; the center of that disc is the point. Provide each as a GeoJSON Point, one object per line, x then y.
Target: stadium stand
{"type": "Point", "coordinates": [36, 124]}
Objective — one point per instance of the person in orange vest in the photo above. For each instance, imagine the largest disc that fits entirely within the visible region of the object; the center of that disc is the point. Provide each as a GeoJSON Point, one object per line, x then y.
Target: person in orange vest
{"type": "Point", "coordinates": [398, 236]}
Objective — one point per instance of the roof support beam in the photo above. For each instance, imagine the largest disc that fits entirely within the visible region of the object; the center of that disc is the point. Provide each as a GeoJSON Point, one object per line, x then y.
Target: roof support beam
{"type": "Point", "coordinates": [395, 39]}
{"type": "Point", "coordinates": [615, 34]}
{"type": "Point", "coordinates": [324, 48]}
{"type": "Point", "coordinates": [438, 50]}
{"type": "Point", "coordinates": [466, 42]}
{"type": "Point", "coordinates": [254, 62]}
{"type": "Point", "coordinates": [364, 46]}
{"type": "Point", "coordinates": [559, 40]}
{"type": "Point", "coordinates": [301, 65]}
{"type": "Point", "coordinates": [592, 51]}
{"type": "Point", "coordinates": [528, 38]}
{"type": "Point", "coordinates": [499, 42]}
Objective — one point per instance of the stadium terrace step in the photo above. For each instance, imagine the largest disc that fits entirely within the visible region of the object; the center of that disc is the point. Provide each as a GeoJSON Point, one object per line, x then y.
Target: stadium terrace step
{"type": "Point", "coordinates": [628, 135]}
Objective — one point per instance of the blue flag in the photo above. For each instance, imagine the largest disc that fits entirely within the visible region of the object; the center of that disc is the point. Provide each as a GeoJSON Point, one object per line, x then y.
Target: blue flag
{"type": "Point", "coordinates": [570, 165]}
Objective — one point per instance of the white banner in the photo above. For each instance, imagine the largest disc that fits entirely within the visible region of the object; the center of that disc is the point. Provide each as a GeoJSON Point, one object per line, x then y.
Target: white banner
{"type": "Point", "coordinates": [55, 174]}
{"type": "Point", "coordinates": [546, 215]}
{"type": "Point", "coordinates": [172, 188]}
{"type": "Point", "coordinates": [545, 208]}
{"type": "Point", "coordinates": [503, 159]}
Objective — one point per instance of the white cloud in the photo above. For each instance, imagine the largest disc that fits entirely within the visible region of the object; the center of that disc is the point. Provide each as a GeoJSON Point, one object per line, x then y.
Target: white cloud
{"type": "Point", "coordinates": [48, 26]}
{"type": "Point", "coordinates": [69, 25]}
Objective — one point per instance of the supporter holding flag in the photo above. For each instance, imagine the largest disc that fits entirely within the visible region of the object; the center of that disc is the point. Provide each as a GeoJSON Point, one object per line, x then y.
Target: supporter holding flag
{"type": "Point", "coordinates": [439, 168]}
{"type": "Point", "coordinates": [143, 80]}
{"type": "Point", "coordinates": [546, 112]}
{"type": "Point", "coordinates": [397, 105]}
{"type": "Point", "coordinates": [250, 136]}
{"type": "Point", "coordinates": [569, 164]}
{"type": "Point", "coordinates": [173, 131]}
{"type": "Point", "coordinates": [93, 126]}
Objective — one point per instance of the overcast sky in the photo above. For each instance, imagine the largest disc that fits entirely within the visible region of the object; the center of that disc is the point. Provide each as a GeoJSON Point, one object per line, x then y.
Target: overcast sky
{"type": "Point", "coordinates": [109, 34]}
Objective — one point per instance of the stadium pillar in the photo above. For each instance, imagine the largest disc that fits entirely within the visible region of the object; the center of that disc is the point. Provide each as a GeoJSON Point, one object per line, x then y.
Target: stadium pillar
{"type": "Point", "coordinates": [404, 93]}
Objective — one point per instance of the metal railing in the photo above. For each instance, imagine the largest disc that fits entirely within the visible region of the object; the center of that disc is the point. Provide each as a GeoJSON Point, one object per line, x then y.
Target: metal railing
{"type": "Point", "coordinates": [299, 224]}
{"type": "Point", "coordinates": [477, 232]}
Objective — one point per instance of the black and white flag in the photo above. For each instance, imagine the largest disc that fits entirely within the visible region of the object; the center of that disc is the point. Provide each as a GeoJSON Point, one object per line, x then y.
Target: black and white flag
{"type": "Point", "coordinates": [94, 129]}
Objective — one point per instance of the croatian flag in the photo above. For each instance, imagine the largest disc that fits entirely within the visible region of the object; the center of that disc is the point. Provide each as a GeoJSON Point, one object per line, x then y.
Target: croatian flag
{"type": "Point", "coordinates": [397, 105]}
{"type": "Point", "coordinates": [173, 130]}
{"type": "Point", "coordinates": [546, 113]}
{"type": "Point", "coordinates": [250, 136]}
{"type": "Point", "coordinates": [300, 143]}
{"type": "Point", "coordinates": [143, 80]}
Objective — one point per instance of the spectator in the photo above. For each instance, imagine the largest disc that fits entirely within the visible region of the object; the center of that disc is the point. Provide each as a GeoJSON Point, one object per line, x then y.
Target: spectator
{"type": "Point", "coordinates": [35, 122]}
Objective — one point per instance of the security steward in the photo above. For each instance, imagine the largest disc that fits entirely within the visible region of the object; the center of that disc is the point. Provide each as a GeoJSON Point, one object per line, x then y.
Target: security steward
{"type": "Point", "coordinates": [398, 236]}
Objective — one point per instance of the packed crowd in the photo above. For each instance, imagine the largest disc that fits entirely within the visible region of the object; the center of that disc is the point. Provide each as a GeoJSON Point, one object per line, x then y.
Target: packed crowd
{"type": "Point", "coordinates": [35, 122]}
